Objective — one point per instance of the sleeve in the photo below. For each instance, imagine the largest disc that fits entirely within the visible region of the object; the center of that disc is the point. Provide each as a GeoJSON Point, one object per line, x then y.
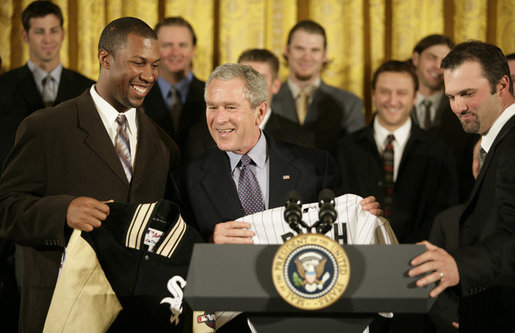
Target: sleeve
{"type": "Point", "coordinates": [27, 215]}
{"type": "Point", "coordinates": [354, 119]}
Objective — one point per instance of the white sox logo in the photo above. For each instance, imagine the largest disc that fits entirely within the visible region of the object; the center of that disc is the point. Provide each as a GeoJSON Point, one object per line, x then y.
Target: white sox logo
{"type": "Point", "coordinates": [175, 286]}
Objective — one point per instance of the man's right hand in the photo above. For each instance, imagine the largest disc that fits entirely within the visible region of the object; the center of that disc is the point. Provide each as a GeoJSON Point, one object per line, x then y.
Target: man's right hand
{"type": "Point", "coordinates": [86, 213]}
{"type": "Point", "coordinates": [232, 232]}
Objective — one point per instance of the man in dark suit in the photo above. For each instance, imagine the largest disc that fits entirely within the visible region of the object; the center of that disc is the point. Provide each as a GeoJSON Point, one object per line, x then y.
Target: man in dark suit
{"type": "Point", "coordinates": [482, 269]}
{"type": "Point", "coordinates": [432, 111]}
{"type": "Point", "coordinates": [177, 100]}
{"type": "Point", "coordinates": [21, 90]}
{"type": "Point", "coordinates": [278, 127]}
{"type": "Point", "coordinates": [304, 98]}
{"type": "Point", "coordinates": [69, 160]}
{"type": "Point", "coordinates": [423, 179]}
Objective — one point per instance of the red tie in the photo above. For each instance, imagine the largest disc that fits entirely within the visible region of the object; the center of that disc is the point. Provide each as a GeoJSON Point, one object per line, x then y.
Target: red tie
{"type": "Point", "coordinates": [388, 175]}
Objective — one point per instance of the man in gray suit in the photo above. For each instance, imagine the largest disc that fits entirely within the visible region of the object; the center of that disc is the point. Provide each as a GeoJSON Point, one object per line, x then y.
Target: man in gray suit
{"type": "Point", "coordinates": [304, 98]}
{"type": "Point", "coordinates": [66, 162]}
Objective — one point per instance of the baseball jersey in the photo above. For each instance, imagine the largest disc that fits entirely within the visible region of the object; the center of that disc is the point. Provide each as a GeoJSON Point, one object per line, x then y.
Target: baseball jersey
{"type": "Point", "coordinates": [127, 275]}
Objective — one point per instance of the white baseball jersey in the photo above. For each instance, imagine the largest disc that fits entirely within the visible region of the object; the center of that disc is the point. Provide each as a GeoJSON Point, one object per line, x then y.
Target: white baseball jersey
{"type": "Point", "coordinates": [352, 226]}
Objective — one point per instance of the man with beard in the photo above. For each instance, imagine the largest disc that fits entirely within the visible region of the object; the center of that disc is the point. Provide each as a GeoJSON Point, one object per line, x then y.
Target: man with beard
{"type": "Point", "coordinates": [481, 271]}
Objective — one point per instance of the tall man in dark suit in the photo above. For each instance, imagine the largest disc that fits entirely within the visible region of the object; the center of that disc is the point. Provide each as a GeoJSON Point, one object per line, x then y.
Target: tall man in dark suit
{"type": "Point", "coordinates": [409, 170]}
{"type": "Point", "coordinates": [432, 111]}
{"type": "Point", "coordinates": [304, 98]}
{"type": "Point", "coordinates": [42, 81]}
{"type": "Point", "coordinates": [69, 160]}
{"type": "Point", "coordinates": [177, 100]}
{"type": "Point", "coordinates": [482, 269]}
{"type": "Point", "coordinates": [278, 127]}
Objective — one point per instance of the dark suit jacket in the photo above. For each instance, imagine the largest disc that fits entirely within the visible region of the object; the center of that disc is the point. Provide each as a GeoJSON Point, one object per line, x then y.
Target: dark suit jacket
{"type": "Point", "coordinates": [332, 113]}
{"type": "Point", "coordinates": [61, 153]}
{"type": "Point", "coordinates": [193, 111]}
{"type": "Point", "coordinates": [448, 128]}
{"type": "Point", "coordinates": [279, 128]}
{"type": "Point", "coordinates": [486, 253]}
{"type": "Point", "coordinates": [19, 97]}
{"type": "Point", "coordinates": [212, 193]}
{"type": "Point", "coordinates": [426, 182]}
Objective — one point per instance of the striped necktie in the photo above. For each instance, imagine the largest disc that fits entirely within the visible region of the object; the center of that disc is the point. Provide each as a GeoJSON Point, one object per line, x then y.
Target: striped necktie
{"type": "Point", "coordinates": [388, 156]}
{"type": "Point", "coordinates": [248, 188]}
{"type": "Point", "coordinates": [123, 147]}
{"type": "Point", "coordinates": [427, 114]}
{"type": "Point", "coordinates": [46, 93]}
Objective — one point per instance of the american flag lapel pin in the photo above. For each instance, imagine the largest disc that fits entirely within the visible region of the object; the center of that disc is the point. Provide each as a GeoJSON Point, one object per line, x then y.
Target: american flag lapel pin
{"type": "Point", "coordinates": [286, 177]}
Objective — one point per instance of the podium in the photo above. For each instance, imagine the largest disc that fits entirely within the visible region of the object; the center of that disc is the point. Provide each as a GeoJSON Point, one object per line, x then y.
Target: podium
{"type": "Point", "coordinates": [239, 278]}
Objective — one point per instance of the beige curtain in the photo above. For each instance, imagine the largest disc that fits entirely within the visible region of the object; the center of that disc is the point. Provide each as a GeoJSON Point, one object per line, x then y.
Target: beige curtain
{"type": "Point", "coordinates": [361, 33]}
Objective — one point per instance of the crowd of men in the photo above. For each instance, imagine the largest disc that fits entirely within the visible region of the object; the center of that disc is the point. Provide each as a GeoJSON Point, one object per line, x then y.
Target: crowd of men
{"type": "Point", "coordinates": [149, 129]}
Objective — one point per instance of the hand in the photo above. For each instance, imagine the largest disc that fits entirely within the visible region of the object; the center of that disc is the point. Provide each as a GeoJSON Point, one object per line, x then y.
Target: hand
{"type": "Point", "coordinates": [442, 266]}
{"type": "Point", "coordinates": [371, 205]}
{"type": "Point", "coordinates": [86, 213]}
{"type": "Point", "coordinates": [232, 232]}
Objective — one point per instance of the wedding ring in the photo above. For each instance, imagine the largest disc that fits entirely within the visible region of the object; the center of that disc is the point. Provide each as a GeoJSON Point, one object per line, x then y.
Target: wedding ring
{"type": "Point", "coordinates": [441, 275]}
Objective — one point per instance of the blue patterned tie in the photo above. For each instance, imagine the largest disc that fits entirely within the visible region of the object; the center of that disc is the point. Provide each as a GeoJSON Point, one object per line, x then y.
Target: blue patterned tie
{"type": "Point", "coordinates": [248, 188]}
{"type": "Point", "coordinates": [122, 145]}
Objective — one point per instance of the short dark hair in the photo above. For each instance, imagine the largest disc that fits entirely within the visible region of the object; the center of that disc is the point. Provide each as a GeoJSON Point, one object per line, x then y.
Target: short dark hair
{"type": "Point", "coordinates": [114, 35]}
{"type": "Point", "coordinates": [40, 9]}
{"type": "Point", "coordinates": [396, 66]}
{"type": "Point", "coordinates": [510, 56]}
{"type": "Point", "coordinates": [178, 22]}
{"type": "Point", "coordinates": [490, 57]}
{"type": "Point", "coordinates": [433, 40]}
{"type": "Point", "coordinates": [308, 26]}
{"type": "Point", "coordinates": [261, 55]}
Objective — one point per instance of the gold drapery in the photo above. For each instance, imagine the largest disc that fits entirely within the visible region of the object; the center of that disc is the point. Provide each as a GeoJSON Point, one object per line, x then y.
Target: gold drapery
{"type": "Point", "coordinates": [361, 33]}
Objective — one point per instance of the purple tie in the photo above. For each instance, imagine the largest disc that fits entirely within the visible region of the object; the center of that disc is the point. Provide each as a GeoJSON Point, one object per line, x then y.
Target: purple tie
{"type": "Point", "coordinates": [248, 188]}
{"type": "Point", "coordinates": [388, 155]}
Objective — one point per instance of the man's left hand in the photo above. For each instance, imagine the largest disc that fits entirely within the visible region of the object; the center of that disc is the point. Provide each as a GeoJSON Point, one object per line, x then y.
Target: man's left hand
{"type": "Point", "coordinates": [440, 264]}
{"type": "Point", "coordinates": [370, 204]}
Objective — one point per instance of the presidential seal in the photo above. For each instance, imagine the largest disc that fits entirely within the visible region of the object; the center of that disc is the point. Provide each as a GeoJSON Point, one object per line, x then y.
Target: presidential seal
{"type": "Point", "coordinates": [310, 271]}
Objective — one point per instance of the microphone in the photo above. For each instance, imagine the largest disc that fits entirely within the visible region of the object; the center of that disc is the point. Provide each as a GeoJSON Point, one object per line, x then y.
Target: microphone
{"type": "Point", "coordinates": [326, 214]}
{"type": "Point", "coordinates": [293, 213]}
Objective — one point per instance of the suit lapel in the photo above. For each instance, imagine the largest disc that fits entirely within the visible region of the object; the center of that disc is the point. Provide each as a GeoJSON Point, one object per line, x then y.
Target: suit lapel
{"type": "Point", "coordinates": [285, 104]}
{"type": "Point", "coordinates": [219, 186]}
{"type": "Point", "coordinates": [29, 90]}
{"type": "Point", "coordinates": [97, 138]}
{"type": "Point", "coordinates": [510, 125]}
{"type": "Point", "coordinates": [283, 174]}
{"type": "Point", "coordinates": [147, 145]}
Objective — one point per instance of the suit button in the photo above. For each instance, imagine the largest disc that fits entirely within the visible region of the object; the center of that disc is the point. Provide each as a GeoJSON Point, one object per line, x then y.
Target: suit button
{"type": "Point", "coordinates": [147, 257]}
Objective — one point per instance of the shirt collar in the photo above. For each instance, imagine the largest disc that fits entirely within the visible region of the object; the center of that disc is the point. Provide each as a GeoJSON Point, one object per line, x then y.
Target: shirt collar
{"type": "Point", "coordinates": [110, 113]}
{"type": "Point", "coordinates": [182, 86]}
{"type": "Point", "coordinates": [40, 74]}
{"type": "Point", "coordinates": [435, 98]}
{"type": "Point", "coordinates": [401, 134]}
{"type": "Point", "coordinates": [295, 89]}
{"type": "Point", "coordinates": [488, 139]}
{"type": "Point", "coordinates": [258, 153]}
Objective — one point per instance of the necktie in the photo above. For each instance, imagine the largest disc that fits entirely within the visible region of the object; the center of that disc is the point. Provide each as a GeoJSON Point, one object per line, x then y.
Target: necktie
{"type": "Point", "coordinates": [248, 188]}
{"type": "Point", "coordinates": [302, 106]}
{"type": "Point", "coordinates": [481, 157]}
{"type": "Point", "coordinates": [122, 145]}
{"type": "Point", "coordinates": [46, 93]}
{"type": "Point", "coordinates": [426, 104]}
{"type": "Point", "coordinates": [175, 107]}
{"type": "Point", "coordinates": [388, 155]}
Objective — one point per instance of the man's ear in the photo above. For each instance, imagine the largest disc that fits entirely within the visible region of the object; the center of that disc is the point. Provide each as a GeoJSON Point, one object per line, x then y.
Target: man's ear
{"type": "Point", "coordinates": [415, 57]}
{"type": "Point", "coordinates": [104, 58]}
{"type": "Point", "coordinates": [25, 36]}
{"type": "Point", "coordinates": [503, 86]}
{"type": "Point", "coordinates": [276, 85]}
{"type": "Point", "coordinates": [262, 110]}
